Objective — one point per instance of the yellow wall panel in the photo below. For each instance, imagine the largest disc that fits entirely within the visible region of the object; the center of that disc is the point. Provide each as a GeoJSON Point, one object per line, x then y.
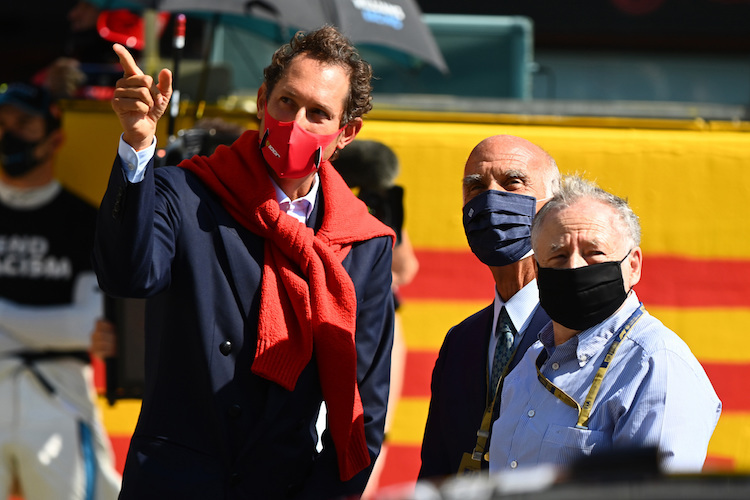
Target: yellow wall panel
{"type": "Point", "coordinates": [121, 418]}
{"type": "Point", "coordinates": [711, 333]}
{"type": "Point", "coordinates": [425, 322]}
{"type": "Point", "coordinates": [690, 187]}
{"type": "Point", "coordinates": [714, 335]}
{"type": "Point", "coordinates": [731, 439]}
{"type": "Point", "coordinates": [408, 422]}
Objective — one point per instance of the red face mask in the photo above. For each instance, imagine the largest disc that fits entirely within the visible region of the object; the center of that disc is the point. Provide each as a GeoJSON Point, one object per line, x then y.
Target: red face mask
{"type": "Point", "coordinates": [291, 151]}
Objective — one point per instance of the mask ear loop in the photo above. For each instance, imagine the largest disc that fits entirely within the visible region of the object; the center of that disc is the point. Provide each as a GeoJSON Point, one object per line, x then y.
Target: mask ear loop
{"type": "Point", "coordinates": [627, 255]}
{"type": "Point", "coordinates": [318, 155]}
{"type": "Point", "coordinates": [623, 260]}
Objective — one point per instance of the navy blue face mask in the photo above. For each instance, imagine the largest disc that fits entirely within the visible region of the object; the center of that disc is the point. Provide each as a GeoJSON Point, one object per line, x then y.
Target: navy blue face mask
{"type": "Point", "coordinates": [498, 226]}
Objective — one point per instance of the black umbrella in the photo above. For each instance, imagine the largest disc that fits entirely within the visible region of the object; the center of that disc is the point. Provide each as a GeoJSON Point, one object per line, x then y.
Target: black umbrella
{"type": "Point", "coordinates": [391, 26]}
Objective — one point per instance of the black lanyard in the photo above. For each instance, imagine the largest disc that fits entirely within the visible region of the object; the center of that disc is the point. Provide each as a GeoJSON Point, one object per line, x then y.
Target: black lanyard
{"type": "Point", "coordinates": [585, 410]}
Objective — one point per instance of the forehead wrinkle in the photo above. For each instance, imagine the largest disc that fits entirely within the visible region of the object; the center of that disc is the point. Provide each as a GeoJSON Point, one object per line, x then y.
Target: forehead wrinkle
{"type": "Point", "coordinates": [294, 85]}
{"type": "Point", "coordinates": [595, 229]}
{"type": "Point", "coordinates": [506, 157]}
{"type": "Point", "coordinates": [506, 161]}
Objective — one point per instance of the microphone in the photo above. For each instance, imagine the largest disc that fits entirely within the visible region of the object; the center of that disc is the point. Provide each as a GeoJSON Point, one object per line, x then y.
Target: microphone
{"type": "Point", "coordinates": [371, 166]}
{"type": "Point", "coordinates": [368, 165]}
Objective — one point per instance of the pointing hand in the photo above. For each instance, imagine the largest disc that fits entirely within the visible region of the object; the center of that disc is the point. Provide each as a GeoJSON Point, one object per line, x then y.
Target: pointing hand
{"type": "Point", "coordinates": [138, 102]}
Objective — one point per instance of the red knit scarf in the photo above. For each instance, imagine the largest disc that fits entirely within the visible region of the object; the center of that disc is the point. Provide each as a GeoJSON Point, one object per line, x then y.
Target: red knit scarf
{"type": "Point", "coordinates": [307, 297]}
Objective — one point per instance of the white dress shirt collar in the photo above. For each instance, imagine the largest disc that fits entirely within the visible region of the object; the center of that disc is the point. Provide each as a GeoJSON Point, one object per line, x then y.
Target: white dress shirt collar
{"type": "Point", "coordinates": [589, 342]}
{"type": "Point", "coordinates": [520, 306]}
{"type": "Point", "coordinates": [301, 208]}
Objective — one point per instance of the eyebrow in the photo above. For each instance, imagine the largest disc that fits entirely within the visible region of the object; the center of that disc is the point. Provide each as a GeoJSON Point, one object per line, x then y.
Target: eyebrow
{"type": "Point", "coordinates": [517, 174]}
{"type": "Point", "coordinates": [508, 174]}
{"type": "Point", "coordinates": [472, 179]}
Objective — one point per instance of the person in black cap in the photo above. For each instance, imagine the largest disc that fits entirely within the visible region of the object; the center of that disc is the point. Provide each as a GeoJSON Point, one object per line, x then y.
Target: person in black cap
{"type": "Point", "coordinates": [50, 429]}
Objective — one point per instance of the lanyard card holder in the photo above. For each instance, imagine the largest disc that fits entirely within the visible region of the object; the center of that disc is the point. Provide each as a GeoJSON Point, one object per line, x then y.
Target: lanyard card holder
{"type": "Point", "coordinates": [471, 463]}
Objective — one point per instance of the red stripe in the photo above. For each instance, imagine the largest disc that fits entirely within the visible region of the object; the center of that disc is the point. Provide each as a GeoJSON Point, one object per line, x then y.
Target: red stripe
{"type": "Point", "coordinates": [401, 467]}
{"type": "Point", "coordinates": [449, 275]}
{"type": "Point", "coordinates": [728, 381]}
{"type": "Point", "coordinates": [100, 375]}
{"type": "Point", "coordinates": [120, 445]}
{"type": "Point", "coordinates": [418, 373]}
{"type": "Point", "coordinates": [686, 282]}
{"type": "Point", "coordinates": [666, 280]}
{"type": "Point", "coordinates": [719, 464]}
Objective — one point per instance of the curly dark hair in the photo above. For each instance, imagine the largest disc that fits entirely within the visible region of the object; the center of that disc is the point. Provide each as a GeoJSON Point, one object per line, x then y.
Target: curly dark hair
{"type": "Point", "coordinates": [328, 46]}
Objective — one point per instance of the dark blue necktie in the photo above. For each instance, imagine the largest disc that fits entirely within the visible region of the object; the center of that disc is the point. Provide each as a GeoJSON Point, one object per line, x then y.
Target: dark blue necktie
{"type": "Point", "coordinates": [503, 351]}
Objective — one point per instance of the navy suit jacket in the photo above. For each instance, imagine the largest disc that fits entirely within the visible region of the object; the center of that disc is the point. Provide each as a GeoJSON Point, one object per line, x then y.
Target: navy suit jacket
{"type": "Point", "coordinates": [459, 391]}
{"type": "Point", "coordinates": [209, 427]}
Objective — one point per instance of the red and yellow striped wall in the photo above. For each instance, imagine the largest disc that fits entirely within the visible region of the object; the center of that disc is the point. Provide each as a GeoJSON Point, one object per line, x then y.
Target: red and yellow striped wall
{"type": "Point", "coordinates": [689, 181]}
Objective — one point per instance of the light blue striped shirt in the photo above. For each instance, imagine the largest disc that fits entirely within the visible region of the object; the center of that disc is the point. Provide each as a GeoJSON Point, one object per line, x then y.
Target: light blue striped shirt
{"type": "Point", "coordinates": [655, 393]}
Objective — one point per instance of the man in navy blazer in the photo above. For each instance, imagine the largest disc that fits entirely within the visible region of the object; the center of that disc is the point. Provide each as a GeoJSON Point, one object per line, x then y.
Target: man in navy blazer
{"type": "Point", "coordinates": [506, 180]}
{"type": "Point", "coordinates": [268, 289]}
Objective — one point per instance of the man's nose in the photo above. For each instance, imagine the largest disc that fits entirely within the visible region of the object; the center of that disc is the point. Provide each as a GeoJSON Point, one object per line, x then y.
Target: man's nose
{"type": "Point", "coordinates": [494, 185]}
{"type": "Point", "coordinates": [301, 117]}
{"type": "Point", "coordinates": [575, 260]}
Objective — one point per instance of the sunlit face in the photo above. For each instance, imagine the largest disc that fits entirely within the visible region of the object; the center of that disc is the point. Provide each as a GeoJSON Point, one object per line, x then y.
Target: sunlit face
{"type": "Point", "coordinates": [505, 163]}
{"type": "Point", "coordinates": [585, 233]}
{"type": "Point", "coordinates": [314, 95]}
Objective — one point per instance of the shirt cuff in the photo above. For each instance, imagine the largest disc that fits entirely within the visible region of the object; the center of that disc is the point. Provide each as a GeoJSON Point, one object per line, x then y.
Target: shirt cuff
{"type": "Point", "coordinates": [134, 162]}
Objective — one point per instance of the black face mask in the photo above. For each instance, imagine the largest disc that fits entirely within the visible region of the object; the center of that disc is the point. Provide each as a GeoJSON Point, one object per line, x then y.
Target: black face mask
{"type": "Point", "coordinates": [582, 297]}
{"type": "Point", "coordinates": [17, 155]}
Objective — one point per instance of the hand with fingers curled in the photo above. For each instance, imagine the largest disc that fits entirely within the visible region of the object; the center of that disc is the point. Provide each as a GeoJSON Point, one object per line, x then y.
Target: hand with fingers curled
{"type": "Point", "coordinates": [138, 101]}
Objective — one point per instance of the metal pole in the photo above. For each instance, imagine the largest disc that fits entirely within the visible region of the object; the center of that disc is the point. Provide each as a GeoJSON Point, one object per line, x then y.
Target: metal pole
{"type": "Point", "coordinates": [178, 45]}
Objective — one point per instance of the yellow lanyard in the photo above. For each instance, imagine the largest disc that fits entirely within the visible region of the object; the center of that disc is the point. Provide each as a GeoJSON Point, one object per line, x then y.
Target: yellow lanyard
{"type": "Point", "coordinates": [471, 463]}
{"type": "Point", "coordinates": [585, 410]}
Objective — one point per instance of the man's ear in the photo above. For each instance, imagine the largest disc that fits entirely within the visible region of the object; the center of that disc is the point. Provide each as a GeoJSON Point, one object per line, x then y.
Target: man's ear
{"type": "Point", "coordinates": [261, 101]}
{"type": "Point", "coordinates": [350, 131]}
{"type": "Point", "coordinates": [633, 266]}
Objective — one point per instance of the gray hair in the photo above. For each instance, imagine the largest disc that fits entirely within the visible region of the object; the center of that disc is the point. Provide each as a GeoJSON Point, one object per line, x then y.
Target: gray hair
{"type": "Point", "coordinates": [574, 188]}
{"type": "Point", "coordinates": [551, 176]}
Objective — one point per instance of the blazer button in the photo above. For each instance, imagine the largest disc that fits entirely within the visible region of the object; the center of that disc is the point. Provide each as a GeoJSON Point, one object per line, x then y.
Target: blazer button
{"type": "Point", "coordinates": [235, 411]}
{"type": "Point", "coordinates": [226, 347]}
